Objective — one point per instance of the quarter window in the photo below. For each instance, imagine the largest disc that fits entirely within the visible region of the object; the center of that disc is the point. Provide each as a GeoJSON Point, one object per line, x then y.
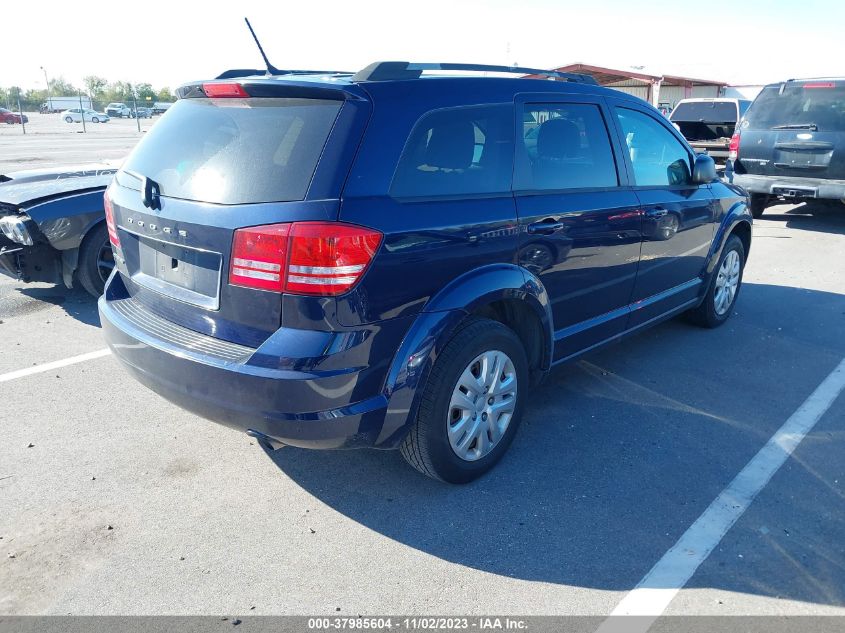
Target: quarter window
{"type": "Point", "coordinates": [566, 146]}
{"type": "Point", "coordinates": [659, 159]}
{"type": "Point", "coordinates": [457, 151]}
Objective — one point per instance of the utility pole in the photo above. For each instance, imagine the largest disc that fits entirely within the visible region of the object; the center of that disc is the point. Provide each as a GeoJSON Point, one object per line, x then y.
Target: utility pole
{"type": "Point", "coordinates": [82, 112]}
{"type": "Point", "coordinates": [47, 81]}
{"type": "Point", "coordinates": [20, 112]}
{"type": "Point", "coordinates": [135, 107]}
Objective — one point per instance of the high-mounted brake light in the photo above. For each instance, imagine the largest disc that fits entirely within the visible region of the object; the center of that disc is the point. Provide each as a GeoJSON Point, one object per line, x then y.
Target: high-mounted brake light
{"type": "Point", "coordinates": [819, 84]}
{"type": "Point", "coordinates": [225, 91]}
{"type": "Point", "coordinates": [733, 148]}
{"type": "Point", "coordinates": [110, 224]}
{"type": "Point", "coordinates": [308, 258]}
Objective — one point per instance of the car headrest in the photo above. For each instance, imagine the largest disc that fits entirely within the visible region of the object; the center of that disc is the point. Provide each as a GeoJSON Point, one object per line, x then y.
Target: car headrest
{"type": "Point", "coordinates": [451, 145]}
{"type": "Point", "coordinates": [558, 138]}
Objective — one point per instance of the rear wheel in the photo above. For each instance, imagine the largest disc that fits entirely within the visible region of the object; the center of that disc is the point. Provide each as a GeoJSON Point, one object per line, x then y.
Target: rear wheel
{"type": "Point", "coordinates": [96, 260]}
{"type": "Point", "coordinates": [724, 287]}
{"type": "Point", "coordinates": [759, 202]}
{"type": "Point", "coordinates": [471, 404]}
{"type": "Point", "coordinates": [68, 119]}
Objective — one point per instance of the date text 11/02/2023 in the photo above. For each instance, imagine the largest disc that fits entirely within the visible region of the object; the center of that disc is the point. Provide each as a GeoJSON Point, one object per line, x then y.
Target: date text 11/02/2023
{"type": "Point", "coordinates": [423, 623]}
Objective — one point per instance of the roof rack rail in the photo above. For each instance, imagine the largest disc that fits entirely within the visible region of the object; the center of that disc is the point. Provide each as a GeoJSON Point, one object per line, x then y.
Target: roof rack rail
{"type": "Point", "coordinates": [249, 72]}
{"type": "Point", "coordinates": [393, 71]}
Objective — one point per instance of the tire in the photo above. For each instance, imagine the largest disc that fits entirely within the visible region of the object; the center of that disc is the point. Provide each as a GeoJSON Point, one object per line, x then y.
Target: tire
{"type": "Point", "coordinates": [711, 313]}
{"type": "Point", "coordinates": [68, 119]}
{"type": "Point", "coordinates": [428, 446]}
{"type": "Point", "coordinates": [759, 202]}
{"type": "Point", "coordinates": [95, 260]}
{"type": "Point", "coordinates": [95, 120]}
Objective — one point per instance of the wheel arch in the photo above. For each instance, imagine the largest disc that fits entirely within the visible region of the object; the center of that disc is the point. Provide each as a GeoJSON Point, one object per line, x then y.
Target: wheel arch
{"type": "Point", "coordinates": [503, 292]}
{"type": "Point", "coordinates": [737, 222]}
{"type": "Point", "coordinates": [509, 294]}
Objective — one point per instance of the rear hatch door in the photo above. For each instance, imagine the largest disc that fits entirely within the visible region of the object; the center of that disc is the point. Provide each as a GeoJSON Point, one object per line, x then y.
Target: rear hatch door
{"type": "Point", "coordinates": [207, 168]}
{"type": "Point", "coordinates": [796, 129]}
{"type": "Point", "coordinates": [706, 120]}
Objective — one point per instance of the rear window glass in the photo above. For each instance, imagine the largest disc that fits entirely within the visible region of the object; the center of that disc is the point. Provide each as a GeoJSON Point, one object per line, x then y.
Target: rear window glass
{"type": "Point", "coordinates": [457, 151]}
{"type": "Point", "coordinates": [705, 111]}
{"type": "Point", "coordinates": [821, 104]}
{"type": "Point", "coordinates": [235, 151]}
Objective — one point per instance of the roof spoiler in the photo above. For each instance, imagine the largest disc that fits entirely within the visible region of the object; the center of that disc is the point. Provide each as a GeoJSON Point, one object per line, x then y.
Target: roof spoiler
{"type": "Point", "coordinates": [394, 71]}
{"type": "Point", "coordinates": [236, 73]}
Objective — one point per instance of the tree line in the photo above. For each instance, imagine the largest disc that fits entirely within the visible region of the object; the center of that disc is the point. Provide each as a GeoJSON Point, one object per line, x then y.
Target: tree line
{"type": "Point", "coordinates": [100, 90]}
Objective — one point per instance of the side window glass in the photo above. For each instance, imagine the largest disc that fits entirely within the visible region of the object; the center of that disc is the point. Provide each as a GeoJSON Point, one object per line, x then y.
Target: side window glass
{"type": "Point", "coordinates": [658, 158]}
{"type": "Point", "coordinates": [567, 147]}
{"type": "Point", "coordinates": [457, 151]}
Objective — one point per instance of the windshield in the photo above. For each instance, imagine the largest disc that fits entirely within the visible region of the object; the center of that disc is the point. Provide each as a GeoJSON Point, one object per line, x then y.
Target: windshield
{"type": "Point", "coordinates": [706, 112]}
{"type": "Point", "coordinates": [235, 151]}
{"type": "Point", "coordinates": [820, 104]}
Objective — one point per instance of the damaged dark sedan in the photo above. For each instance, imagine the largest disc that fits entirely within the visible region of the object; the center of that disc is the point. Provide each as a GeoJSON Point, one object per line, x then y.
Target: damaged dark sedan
{"type": "Point", "coordinates": [52, 226]}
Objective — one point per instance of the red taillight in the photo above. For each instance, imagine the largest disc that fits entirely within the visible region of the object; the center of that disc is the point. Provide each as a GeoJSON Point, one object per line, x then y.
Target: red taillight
{"type": "Point", "coordinates": [311, 258]}
{"type": "Point", "coordinates": [733, 148]}
{"type": "Point", "coordinates": [224, 91]}
{"type": "Point", "coordinates": [112, 227]}
{"type": "Point", "coordinates": [259, 255]}
{"type": "Point", "coordinates": [327, 258]}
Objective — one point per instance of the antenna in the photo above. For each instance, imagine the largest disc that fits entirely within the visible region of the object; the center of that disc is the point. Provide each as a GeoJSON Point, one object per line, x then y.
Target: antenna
{"type": "Point", "coordinates": [271, 70]}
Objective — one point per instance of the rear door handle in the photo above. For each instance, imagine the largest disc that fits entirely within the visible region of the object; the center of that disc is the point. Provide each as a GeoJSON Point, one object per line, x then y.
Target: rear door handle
{"type": "Point", "coordinates": [545, 227]}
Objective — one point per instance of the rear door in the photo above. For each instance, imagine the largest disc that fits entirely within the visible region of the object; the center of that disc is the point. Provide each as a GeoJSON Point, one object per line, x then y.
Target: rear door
{"type": "Point", "coordinates": [580, 223]}
{"type": "Point", "coordinates": [678, 216]}
{"type": "Point", "coordinates": [211, 166]}
{"type": "Point", "coordinates": [795, 129]}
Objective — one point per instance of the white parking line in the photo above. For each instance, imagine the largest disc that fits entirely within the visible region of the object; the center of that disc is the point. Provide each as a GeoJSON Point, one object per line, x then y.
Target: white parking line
{"type": "Point", "coordinates": [37, 369]}
{"type": "Point", "coordinates": [659, 586]}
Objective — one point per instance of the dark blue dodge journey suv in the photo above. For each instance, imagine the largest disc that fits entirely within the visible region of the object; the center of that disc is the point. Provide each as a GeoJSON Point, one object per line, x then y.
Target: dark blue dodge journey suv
{"type": "Point", "coordinates": [393, 258]}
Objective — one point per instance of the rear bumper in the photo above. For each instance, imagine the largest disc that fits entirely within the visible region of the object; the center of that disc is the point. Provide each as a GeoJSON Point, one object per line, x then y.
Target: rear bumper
{"type": "Point", "coordinates": [791, 186]}
{"type": "Point", "coordinates": [312, 401]}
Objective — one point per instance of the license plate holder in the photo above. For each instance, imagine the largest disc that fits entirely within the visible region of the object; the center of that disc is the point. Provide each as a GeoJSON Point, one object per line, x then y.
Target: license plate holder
{"type": "Point", "coordinates": [186, 274]}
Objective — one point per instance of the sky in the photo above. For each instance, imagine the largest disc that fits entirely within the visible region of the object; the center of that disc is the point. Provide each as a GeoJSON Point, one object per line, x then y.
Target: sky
{"type": "Point", "coordinates": [167, 43]}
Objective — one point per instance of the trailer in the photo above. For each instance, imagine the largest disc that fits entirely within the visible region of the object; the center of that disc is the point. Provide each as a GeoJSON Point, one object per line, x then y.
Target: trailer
{"type": "Point", "coordinates": [60, 104]}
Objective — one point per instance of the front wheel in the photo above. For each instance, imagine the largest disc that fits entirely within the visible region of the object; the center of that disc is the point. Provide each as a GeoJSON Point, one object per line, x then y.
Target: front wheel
{"type": "Point", "coordinates": [471, 404]}
{"type": "Point", "coordinates": [96, 260]}
{"type": "Point", "coordinates": [68, 119]}
{"type": "Point", "coordinates": [724, 287]}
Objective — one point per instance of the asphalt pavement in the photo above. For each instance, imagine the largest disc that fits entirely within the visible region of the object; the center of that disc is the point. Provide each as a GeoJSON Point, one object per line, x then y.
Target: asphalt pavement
{"type": "Point", "coordinates": [113, 501]}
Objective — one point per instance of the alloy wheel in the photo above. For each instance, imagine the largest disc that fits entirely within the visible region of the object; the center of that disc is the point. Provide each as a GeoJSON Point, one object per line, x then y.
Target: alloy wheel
{"type": "Point", "coordinates": [105, 261]}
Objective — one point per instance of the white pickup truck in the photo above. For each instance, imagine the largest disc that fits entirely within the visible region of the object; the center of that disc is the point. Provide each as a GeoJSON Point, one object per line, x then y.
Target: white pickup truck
{"type": "Point", "coordinates": [708, 124]}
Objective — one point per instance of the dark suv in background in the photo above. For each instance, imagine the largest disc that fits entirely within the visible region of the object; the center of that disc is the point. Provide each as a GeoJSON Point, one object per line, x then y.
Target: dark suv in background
{"type": "Point", "coordinates": [390, 259]}
{"type": "Point", "coordinates": [791, 144]}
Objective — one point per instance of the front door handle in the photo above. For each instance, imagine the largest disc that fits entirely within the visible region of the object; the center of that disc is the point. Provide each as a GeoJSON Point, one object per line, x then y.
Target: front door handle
{"type": "Point", "coordinates": [546, 227]}
{"type": "Point", "coordinates": [656, 212]}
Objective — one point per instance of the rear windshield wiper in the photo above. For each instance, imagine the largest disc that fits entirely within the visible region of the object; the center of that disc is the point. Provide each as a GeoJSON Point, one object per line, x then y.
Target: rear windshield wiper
{"type": "Point", "coordinates": [797, 126]}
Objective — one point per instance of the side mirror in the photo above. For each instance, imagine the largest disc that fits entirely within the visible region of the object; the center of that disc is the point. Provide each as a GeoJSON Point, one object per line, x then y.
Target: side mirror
{"type": "Point", "coordinates": [703, 170]}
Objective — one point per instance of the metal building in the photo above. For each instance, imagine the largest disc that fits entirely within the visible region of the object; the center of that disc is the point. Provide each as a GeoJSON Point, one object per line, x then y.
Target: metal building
{"type": "Point", "coordinates": [657, 89]}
